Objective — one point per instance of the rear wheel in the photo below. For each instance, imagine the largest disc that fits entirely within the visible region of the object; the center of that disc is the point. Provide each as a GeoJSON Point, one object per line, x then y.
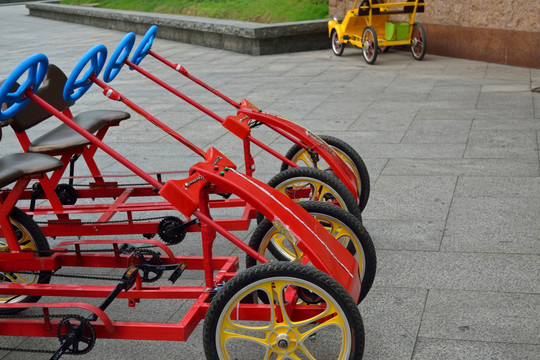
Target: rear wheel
{"type": "Point", "coordinates": [346, 152]}
{"type": "Point", "coordinates": [238, 325]}
{"type": "Point", "coordinates": [370, 45]}
{"type": "Point", "coordinates": [337, 47]}
{"type": "Point", "coordinates": [347, 229]}
{"type": "Point", "coordinates": [418, 46]}
{"type": "Point", "coordinates": [30, 238]}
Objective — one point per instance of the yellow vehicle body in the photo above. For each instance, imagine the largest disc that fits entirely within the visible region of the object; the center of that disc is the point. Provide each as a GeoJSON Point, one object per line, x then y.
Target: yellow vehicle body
{"type": "Point", "coordinates": [374, 16]}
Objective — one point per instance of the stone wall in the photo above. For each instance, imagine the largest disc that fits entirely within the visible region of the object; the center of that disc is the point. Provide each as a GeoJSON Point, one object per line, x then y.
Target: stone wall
{"type": "Point", "coordinates": [503, 31]}
{"type": "Point", "coordinates": [520, 15]}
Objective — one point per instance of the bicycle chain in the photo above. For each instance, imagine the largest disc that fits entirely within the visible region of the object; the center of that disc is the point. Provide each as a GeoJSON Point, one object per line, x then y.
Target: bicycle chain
{"type": "Point", "coordinates": [49, 316]}
{"type": "Point", "coordinates": [76, 276]}
{"type": "Point", "coordinates": [43, 316]}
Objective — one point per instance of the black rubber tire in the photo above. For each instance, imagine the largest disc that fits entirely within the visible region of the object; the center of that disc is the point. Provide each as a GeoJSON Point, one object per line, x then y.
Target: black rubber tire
{"type": "Point", "coordinates": [370, 56]}
{"type": "Point", "coordinates": [353, 156]}
{"type": "Point", "coordinates": [363, 243]}
{"type": "Point", "coordinates": [337, 47]}
{"type": "Point", "coordinates": [418, 50]}
{"type": "Point", "coordinates": [277, 272]}
{"type": "Point", "coordinates": [340, 192]}
{"type": "Point", "coordinates": [25, 224]}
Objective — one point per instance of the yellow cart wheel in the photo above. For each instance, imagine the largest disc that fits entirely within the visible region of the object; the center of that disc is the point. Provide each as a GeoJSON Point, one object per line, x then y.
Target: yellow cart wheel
{"type": "Point", "coordinates": [348, 230]}
{"type": "Point", "coordinates": [337, 47]}
{"type": "Point", "coordinates": [311, 184]}
{"type": "Point", "coordinates": [370, 45]}
{"type": "Point", "coordinates": [30, 238]}
{"type": "Point", "coordinates": [302, 157]}
{"type": "Point", "coordinates": [259, 314]}
{"type": "Point", "coordinates": [418, 46]}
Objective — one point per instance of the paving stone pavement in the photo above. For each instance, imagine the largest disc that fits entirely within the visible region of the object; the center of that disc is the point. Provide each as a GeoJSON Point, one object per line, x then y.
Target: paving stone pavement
{"type": "Point", "coordinates": [452, 148]}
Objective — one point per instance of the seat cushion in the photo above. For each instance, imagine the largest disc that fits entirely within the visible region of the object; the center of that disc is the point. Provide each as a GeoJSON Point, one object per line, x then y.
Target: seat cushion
{"type": "Point", "coordinates": [16, 166]}
{"type": "Point", "coordinates": [64, 138]}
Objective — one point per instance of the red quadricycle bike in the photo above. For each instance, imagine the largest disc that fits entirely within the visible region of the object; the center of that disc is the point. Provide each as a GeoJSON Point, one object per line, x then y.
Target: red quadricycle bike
{"type": "Point", "coordinates": [171, 229]}
{"type": "Point", "coordinates": [283, 309]}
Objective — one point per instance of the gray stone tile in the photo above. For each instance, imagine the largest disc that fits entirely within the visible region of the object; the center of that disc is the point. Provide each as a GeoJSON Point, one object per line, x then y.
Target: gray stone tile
{"type": "Point", "coordinates": [501, 144]}
{"type": "Point", "coordinates": [412, 151]}
{"type": "Point", "coordinates": [391, 320]}
{"type": "Point", "coordinates": [458, 167]}
{"type": "Point", "coordinates": [493, 224]}
{"type": "Point", "coordinates": [529, 124]}
{"type": "Point", "coordinates": [469, 69]}
{"type": "Point", "coordinates": [519, 87]}
{"type": "Point", "coordinates": [401, 198]}
{"type": "Point", "coordinates": [481, 316]}
{"type": "Point", "coordinates": [410, 84]}
{"type": "Point", "coordinates": [427, 348]}
{"type": "Point", "coordinates": [445, 114]}
{"type": "Point", "coordinates": [384, 120]}
{"type": "Point", "coordinates": [393, 234]}
{"type": "Point", "coordinates": [511, 73]}
{"type": "Point", "coordinates": [507, 100]}
{"type": "Point", "coordinates": [459, 271]}
{"type": "Point", "coordinates": [438, 131]}
{"type": "Point", "coordinates": [505, 112]}
{"type": "Point", "coordinates": [495, 187]}
{"type": "Point", "coordinates": [367, 136]}
{"type": "Point", "coordinates": [455, 92]}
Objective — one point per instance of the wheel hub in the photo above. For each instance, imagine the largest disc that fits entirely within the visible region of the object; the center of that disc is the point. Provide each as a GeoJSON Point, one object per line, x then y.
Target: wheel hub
{"type": "Point", "coordinates": [284, 340]}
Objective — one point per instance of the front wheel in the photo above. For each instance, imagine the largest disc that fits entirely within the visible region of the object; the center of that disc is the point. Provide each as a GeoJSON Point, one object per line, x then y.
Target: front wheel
{"type": "Point", "coordinates": [347, 230]}
{"type": "Point", "coordinates": [337, 47]}
{"type": "Point", "coordinates": [259, 314]}
{"type": "Point", "coordinates": [370, 45]}
{"type": "Point", "coordinates": [30, 238]}
{"type": "Point", "coordinates": [418, 46]}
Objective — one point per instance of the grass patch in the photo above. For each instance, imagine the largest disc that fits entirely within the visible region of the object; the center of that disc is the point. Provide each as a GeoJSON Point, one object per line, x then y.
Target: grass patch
{"type": "Point", "coordinates": [262, 11]}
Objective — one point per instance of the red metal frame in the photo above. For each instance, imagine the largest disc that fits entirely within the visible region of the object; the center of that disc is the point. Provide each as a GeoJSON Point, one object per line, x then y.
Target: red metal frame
{"type": "Point", "coordinates": [246, 111]}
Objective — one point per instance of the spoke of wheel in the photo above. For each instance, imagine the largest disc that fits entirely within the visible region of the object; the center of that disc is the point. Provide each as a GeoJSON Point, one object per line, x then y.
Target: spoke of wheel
{"type": "Point", "coordinates": [18, 278]}
{"type": "Point", "coordinates": [297, 324]}
{"type": "Point", "coordinates": [323, 190]}
{"type": "Point", "coordinates": [305, 158]}
{"type": "Point", "coordinates": [230, 326]}
{"type": "Point", "coordinates": [336, 320]}
{"type": "Point", "coordinates": [290, 356]}
{"type": "Point", "coordinates": [349, 163]}
{"type": "Point", "coordinates": [228, 334]}
{"type": "Point", "coordinates": [284, 244]}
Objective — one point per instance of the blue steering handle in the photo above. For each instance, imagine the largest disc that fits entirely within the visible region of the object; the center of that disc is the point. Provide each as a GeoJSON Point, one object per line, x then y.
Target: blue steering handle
{"type": "Point", "coordinates": [14, 97]}
{"type": "Point", "coordinates": [144, 45]}
{"type": "Point", "coordinates": [118, 56]}
{"type": "Point", "coordinates": [94, 59]}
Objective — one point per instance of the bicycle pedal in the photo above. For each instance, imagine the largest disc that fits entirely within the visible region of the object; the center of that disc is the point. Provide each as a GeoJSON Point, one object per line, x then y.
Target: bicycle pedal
{"type": "Point", "coordinates": [177, 272]}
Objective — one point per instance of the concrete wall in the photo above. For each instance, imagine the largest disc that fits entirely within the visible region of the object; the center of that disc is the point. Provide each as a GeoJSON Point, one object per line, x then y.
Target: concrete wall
{"type": "Point", "coordinates": [502, 31]}
{"type": "Point", "coordinates": [243, 37]}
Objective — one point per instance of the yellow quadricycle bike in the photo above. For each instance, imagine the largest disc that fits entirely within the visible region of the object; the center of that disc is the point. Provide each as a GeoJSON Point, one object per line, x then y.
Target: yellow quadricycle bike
{"type": "Point", "coordinates": [368, 27]}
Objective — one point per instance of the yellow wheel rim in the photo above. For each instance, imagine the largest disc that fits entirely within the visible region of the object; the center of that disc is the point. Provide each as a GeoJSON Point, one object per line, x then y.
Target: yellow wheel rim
{"type": "Point", "coordinates": [303, 157]}
{"type": "Point", "coordinates": [283, 334]}
{"type": "Point", "coordinates": [315, 190]}
{"type": "Point", "coordinates": [26, 243]}
{"type": "Point", "coordinates": [338, 230]}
